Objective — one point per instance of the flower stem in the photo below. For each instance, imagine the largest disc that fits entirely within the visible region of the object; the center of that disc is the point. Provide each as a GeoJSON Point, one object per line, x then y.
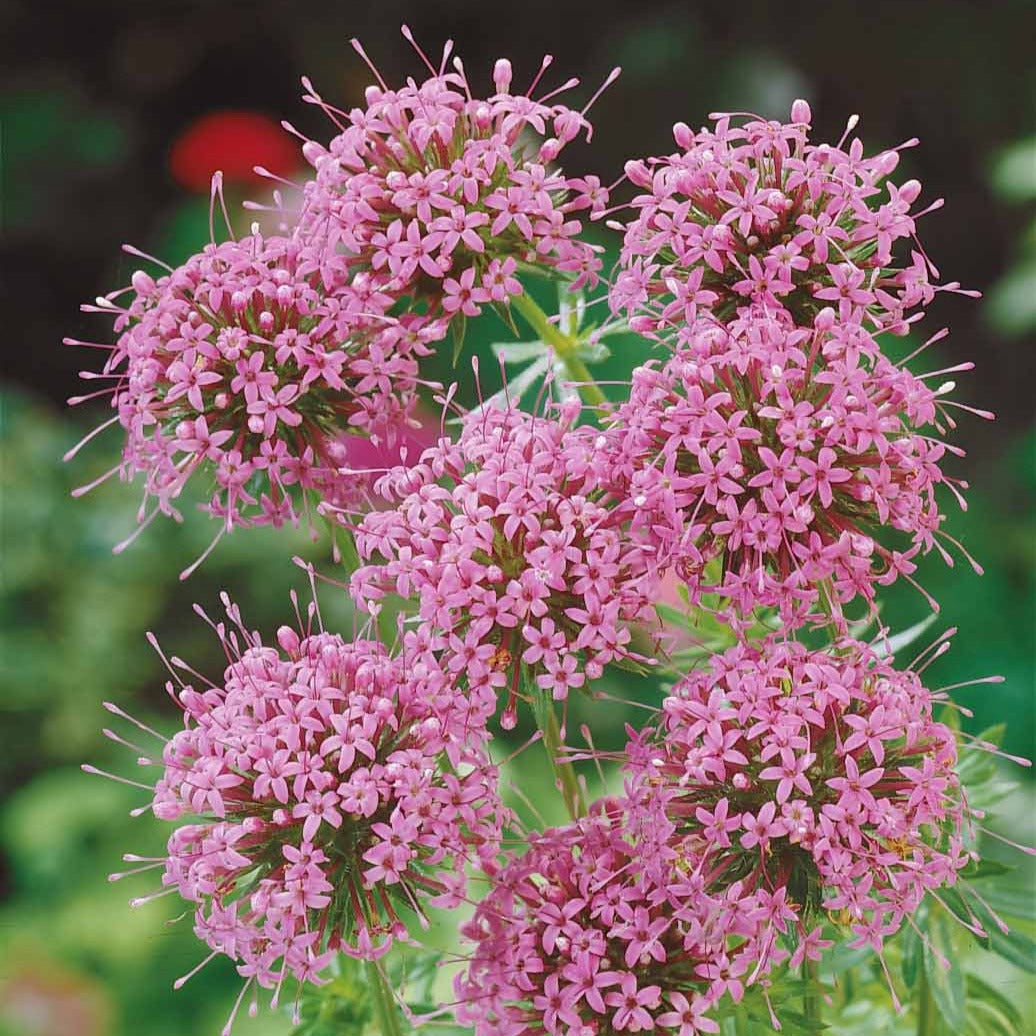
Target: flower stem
{"type": "Point", "coordinates": [811, 995]}
{"type": "Point", "coordinates": [547, 720]}
{"type": "Point", "coordinates": [385, 1013]}
{"type": "Point", "coordinates": [566, 348]}
{"type": "Point", "coordinates": [927, 1019]}
{"type": "Point", "coordinates": [741, 1022]}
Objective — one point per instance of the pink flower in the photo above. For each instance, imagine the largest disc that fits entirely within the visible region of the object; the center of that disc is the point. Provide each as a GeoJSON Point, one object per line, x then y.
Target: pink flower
{"type": "Point", "coordinates": [807, 810]}
{"type": "Point", "coordinates": [781, 458]}
{"type": "Point", "coordinates": [687, 1016]}
{"type": "Point", "coordinates": [790, 774]}
{"type": "Point", "coordinates": [761, 827]}
{"type": "Point", "coordinates": [768, 218]}
{"type": "Point", "coordinates": [633, 1005]}
{"type": "Point", "coordinates": [599, 927]}
{"type": "Point", "coordinates": [240, 366]}
{"type": "Point", "coordinates": [433, 188]}
{"type": "Point", "coordinates": [523, 572]}
{"type": "Point", "coordinates": [854, 786]}
{"type": "Point", "coordinates": [317, 775]}
{"type": "Point", "coordinates": [462, 296]}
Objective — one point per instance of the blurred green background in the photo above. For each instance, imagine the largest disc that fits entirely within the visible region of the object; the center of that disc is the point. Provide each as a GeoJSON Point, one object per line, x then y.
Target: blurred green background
{"type": "Point", "coordinates": [101, 143]}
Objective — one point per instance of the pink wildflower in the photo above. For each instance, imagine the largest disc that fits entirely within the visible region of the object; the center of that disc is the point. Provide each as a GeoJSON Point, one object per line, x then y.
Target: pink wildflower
{"type": "Point", "coordinates": [772, 221]}
{"type": "Point", "coordinates": [522, 567]}
{"type": "Point", "coordinates": [320, 802]}
{"type": "Point", "coordinates": [799, 458]}
{"type": "Point", "coordinates": [845, 793]}
{"type": "Point", "coordinates": [433, 187]}
{"type": "Point", "coordinates": [241, 365]}
{"type": "Point", "coordinates": [596, 930]}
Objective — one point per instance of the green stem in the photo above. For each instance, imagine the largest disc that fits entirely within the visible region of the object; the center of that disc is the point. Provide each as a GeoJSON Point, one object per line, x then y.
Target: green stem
{"type": "Point", "coordinates": [831, 609]}
{"type": "Point", "coordinates": [741, 1022]}
{"type": "Point", "coordinates": [386, 1014]}
{"type": "Point", "coordinates": [811, 995]}
{"type": "Point", "coordinates": [927, 1016]}
{"type": "Point", "coordinates": [350, 559]}
{"type": "Point", "coordinates": [547, 719]}
{"type": "Point", "coordinates": [566, 348]}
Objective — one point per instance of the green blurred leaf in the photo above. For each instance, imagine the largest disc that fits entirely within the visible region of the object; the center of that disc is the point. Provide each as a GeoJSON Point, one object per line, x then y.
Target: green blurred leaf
{"type": "Point", "coordinates": [1011, 902]}
{"type": "Point", "coordinates": [989, 1012]}
{"type": "Point", "coordinates": [947, 984]}
{"type": "Point", "coordinates": [517, 352]}
{"type": "Point", "coordinates": [912, 950]}
{"type": "Point", "coordinates": [1014, 172]}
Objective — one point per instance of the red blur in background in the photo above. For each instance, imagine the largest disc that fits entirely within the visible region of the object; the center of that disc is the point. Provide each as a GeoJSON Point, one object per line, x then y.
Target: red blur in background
{"type": "Point", "coordinates": [234, 142]}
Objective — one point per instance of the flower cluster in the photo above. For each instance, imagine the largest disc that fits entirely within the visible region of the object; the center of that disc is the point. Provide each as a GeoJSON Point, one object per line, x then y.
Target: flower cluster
{"type": "Point", "coordinates": [439, 194]}
{"type": "Point", "coordinates": [585, 933]}
{"type": "Point", "coordinates": [782, 453]}
{"type": "Point", "coordinates": [516, 556]}
{"type": "Point", "coordinates": [823, 774]}
{"type": "Point", "coordinates": [775, 462]}
{"type": "Point", "coordinates": [241, 364]}
{"type": "Point", "coordinates": [316, 774]}
{"type": "Point", "coordinates": [753, 215]}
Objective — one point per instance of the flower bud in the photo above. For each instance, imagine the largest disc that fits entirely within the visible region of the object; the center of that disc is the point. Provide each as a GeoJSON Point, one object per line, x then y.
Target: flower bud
{"type": "Point", "coordinates": [502, 75]}
{"type": "Point", "coordinates": [683, 135]}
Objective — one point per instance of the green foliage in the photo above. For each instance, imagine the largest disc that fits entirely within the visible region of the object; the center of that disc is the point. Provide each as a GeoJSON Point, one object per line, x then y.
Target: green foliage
{"type": "Point", "coordinates": [344, 1005]}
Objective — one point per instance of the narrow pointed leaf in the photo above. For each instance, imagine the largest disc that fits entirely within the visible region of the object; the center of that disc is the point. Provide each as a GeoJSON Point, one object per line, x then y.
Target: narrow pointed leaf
{"type": "Point", "coordinates": [947, 985]}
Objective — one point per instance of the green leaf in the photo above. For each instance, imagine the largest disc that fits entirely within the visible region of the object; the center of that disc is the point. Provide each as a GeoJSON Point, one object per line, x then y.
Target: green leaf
{"type": "Point", "coordinates": [991, 1012]}
{"type": "Point", "coordinates": [593, 351]}
{"type": "Point", "coordinates": [1011, 902]}
{"type": "Point", "coordinates": [912, 948]}
{"type": "Point", "coordinates": [460, 327]}
{"type": "Point", "coordinates": [950, 718]}
{"type": "Point", "coordinates": [517, 352]}
{"type": "Point", "coordinates": [620, 327]}
{"type": "Point", "coordinates": [571, 309]}
{"type": "Point", "coordinates": [947, 985]}
{"type": "Point", "coordinates": [955, 902]}
{"type": "Point", "coordinates": [988, 794]}
{"type": "Point", "coordinates": [1013, 946]}
{"type": "Point", "coordinates": [994, 734]}
{"type": "Point", "coordinates": [975, 767]}
{"type": "Point", "coordinates": [506, 315]}
{"type": "Point", "coordinates": [985, 869]}
{"type": "Point", "coordinates": [792, 1022]}
{"type": "Point", "coordinates": [904, 639]}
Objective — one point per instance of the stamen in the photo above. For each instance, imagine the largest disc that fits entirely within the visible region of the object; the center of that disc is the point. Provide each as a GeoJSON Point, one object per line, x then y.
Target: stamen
{"type": "Point", "coordinates": [87, 768]}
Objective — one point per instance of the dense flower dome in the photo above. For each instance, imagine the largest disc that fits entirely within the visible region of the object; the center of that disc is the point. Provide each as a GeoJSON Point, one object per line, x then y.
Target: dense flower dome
{"type": "Point", "coordinates": [324, 797]}
{"type": "Point", "coordinates": [821, 773]}
{"type": "Point", "coordinates": [442, 194]}
{"type": "Point", "coordinates": [594, 930]}
{"type": "Point", "coordinates": [785, 467]}
{"type": "Point", "coordinates": [523, 569]}
{"type": "Point", "coordinates": [754, 214]}
{"type": "Point", "coordinates": [240, 365]}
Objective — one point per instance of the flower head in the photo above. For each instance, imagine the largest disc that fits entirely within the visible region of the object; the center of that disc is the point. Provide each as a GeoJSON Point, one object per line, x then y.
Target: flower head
{"type": "Point", "coordinates": [753, 214]}
{"type": "Point", "coordinates": [773, 461]}
{"type": "Point", "coordinates": [519, 561]}
{"type": "Point", "coordinates": [439, 193]}
{"type": "Point", "coordinates": [589, 932]}
{"type": "Point", "coordinates": [319, 801]}
{"type": "Point", "coordinates": [238, 364]}
{"type": "Point", "coordinates": [821, 774]}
